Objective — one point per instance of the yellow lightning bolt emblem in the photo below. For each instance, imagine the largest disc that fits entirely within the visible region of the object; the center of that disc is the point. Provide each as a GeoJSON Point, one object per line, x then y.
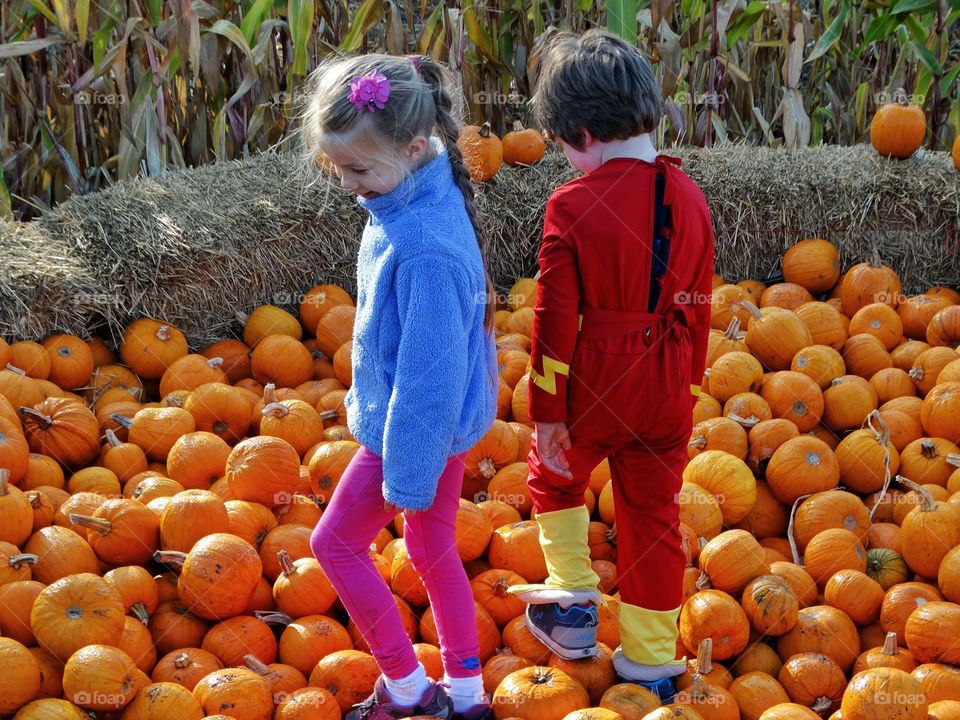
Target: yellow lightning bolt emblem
{"type": "Point", "coordinates": [548, 381]}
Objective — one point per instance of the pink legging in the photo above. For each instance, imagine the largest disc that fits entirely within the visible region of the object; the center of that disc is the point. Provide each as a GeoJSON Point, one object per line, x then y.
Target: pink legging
{"type": "Point", "coordinates": [341, 543]}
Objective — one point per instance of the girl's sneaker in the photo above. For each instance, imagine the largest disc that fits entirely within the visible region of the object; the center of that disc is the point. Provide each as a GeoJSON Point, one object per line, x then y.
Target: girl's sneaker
{"type": "Point", "coordinates": [379, 706]}
{"type": "Point", "coordinates": [569, 632]}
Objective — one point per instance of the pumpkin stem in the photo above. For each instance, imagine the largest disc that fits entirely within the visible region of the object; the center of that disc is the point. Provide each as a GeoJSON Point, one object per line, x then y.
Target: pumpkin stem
{"type": "Point", "coordinates": [698, 443]}
{"type": "Point", "coordinates": [797, 560]}
{"type": "Point", "coordinates": [44, 421]}
{"type": "Point", "coordinates": [705, 656]}
{"type": "Point", "coordinates": [890, 644]}
{"type": "Point", "coordinates": [917, 373]}
{"type": "Point", "coordinates": [874, 260]}
{"type": "Point", "coordinates": [173, 559]}
{"type": "Point", "coordinates": [16, 561]}
{"type": "Point", "coordinates": [181, 661]}
{"type": "Point", "coordinates": [328, 415]}
{"type": "Point", "coordinates": [241, 317]}
{"type": "Point", "coordinates": [733, 330]}
{"type": "Point", "coordinates": [927, 502]}
{"type": "Point", "coordinates": [928, 448]}
{"type": "Point", "coordinates": [174, 400]}
{"type": "Point", "coordinates": [139, 611]}
{"type": "Point", "coordinates": [752, 309]}
{"type": "Point", "coordinates": [822, 704]}
{"type": "Point", "coordinates": [487, 468]}
{"type": "Point", "coordinates": [4, 479]}
{"type": "Point", "coordinates": [273, 617]}
{"type": "Point", "coordinates": [215, 362]}
{"type": "Point", "coordinates": [257, 665]}
{"type": "Point", "coordinates": [882, 433]}
{"type": "Point", "coordinates": [611, 534]}
{"type": "Point", "coordinates": [703, 582]}
{"type": "Point", "coordinates": [101, 525]}
{"type": "Point", "coordinates": [112, 438]}
{"type": "Point", "coordinates": [953, 459]}
{"type": "Point", "coordinates": [500, 586]}
{"type": "Point", "coordinates": [18, 371]}
{"type": "Point", "coordinates": [278, 410]}
{"type": "Point", "coordinates": [746, 422]}
{"type": "Point", "coordinates": [286, 564]}
{"type": "Point", "coordinates": [484, 130]}
{"type": "Point", "coordinates": [269, 394]}
{"type": "Point", "coordinates": [122, 420]}
{"type": "Point", "coordinates": [163, 333]}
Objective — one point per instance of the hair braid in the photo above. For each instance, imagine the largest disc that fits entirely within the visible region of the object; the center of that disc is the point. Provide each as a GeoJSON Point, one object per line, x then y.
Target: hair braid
{"type": "Point", "coordinates": [432, 73]}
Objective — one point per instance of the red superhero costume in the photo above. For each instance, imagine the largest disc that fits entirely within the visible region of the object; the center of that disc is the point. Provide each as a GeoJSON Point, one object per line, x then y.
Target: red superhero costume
{"type": "Point", "coordinates": [619, 345]}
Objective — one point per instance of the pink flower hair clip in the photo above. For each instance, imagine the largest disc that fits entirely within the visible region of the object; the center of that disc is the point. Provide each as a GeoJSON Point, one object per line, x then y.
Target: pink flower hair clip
{"type": "Point", "coordinates": [370, 91]}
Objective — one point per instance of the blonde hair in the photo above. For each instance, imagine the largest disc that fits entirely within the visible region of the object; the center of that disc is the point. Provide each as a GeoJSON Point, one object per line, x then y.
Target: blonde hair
{"type": "Point", "coordinates": [595, 82]}
{"type": "Point", "coordinates": [419, 104]}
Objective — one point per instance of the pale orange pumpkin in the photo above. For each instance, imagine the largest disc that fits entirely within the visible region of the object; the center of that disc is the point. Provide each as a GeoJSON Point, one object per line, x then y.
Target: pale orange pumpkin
{"type": "Point", "coordinates": [884, 693]}
{"type": "Point", "coordinates": [482, 151]}
{"type": "Point", "coordinates": [728, 479]}
{"type": "Point", "coordinates": [897, 130]}
{"type": "Point", "coordinates": [825, 323]}
{"type": "Point", "coordinates": [544, 692]}
{"type": "Point", "coordinates": [786, 295]}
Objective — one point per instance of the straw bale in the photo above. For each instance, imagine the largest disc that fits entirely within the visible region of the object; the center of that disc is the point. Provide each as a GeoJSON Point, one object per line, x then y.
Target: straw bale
{"type": "Point", "coordinates": [194, 246]}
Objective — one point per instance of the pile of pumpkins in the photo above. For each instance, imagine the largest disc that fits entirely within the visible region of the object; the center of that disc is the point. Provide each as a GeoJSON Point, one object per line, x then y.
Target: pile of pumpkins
{"type": "Point", "coordinates": [156, 506]}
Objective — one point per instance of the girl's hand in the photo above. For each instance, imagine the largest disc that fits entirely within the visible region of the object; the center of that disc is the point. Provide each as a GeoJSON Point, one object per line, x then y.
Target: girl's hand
{"type": "Point", "coordinates": [553, 440]}
{"type": "Point", "coordinates": [391, 508]}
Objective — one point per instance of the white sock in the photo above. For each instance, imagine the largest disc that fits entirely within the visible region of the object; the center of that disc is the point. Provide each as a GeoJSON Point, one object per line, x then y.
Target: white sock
{"type": "Point", "coordinates": [465, 692]}
{"type": "Point", "coordinates": [407, 691]}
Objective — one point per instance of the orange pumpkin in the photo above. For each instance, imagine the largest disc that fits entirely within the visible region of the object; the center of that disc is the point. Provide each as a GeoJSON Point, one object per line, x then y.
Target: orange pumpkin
{"type": "Point", "coordinates": [482, 151]}
{"type": "Point", "coordinates": [775, 335]}
{"type": "Point", "coordinates": [770, 604]}
{"type": "Point", "coordinates": [714, 614]}
{"type": "Point", "coordinates": [523, 146]}
{"type": "Point", "coordinates": [542, 692]}
{"type": "Point", "coordinates": [728, 479]}
{"type": "Point", "coordinates": [786, 295]}
{"type": "Point", "coordinates": [869, 282]}
{"type": "Point", "coordinates": [884, 694]}
{"type": "Point", "coordinates": [63, 429]}
{"type": "Point", "coordinates": [150, 346]}
{"type": "Point", "coordinates": [888, 655]}
{"type": "Point", "coordinates": [825, 630]}
{"type": "Point", "coordinates": [897, 130]}
{"type": "Point", "coordinates": [240, 690]}
{"type": "Point", "coordinates": [825, 323]}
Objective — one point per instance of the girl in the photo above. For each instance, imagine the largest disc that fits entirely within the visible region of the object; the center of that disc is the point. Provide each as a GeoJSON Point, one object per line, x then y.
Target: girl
{"type": "Point", "coordinates": [424, 367]}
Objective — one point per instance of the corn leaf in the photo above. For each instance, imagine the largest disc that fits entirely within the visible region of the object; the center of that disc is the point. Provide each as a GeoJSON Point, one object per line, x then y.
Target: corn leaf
{"type": "Point", "coordinates": [365, 19]}
{"type": "Point", "coordinates": [254, 16]}
{"type": "Point", "coordinates": [231, 32]}
{"type": "Point", "coordinates": [750, 16]}
{"type": "Point", "coordinates": [82, 14]}
{"type": "Point", "coordinates": [42, 8]}
{"type": "Point", "coordinates": [905, 6]}
{"type": "Point", "coordinates": [6, 211]}
{"type": "Point", "coordinates": [478, 34]}
{"type": "Point", "coordinates": [622, 19]}
{"type": "Point", "coordinates": [830, 35]}
{"type": "Point", "coordinates": [26, 47]}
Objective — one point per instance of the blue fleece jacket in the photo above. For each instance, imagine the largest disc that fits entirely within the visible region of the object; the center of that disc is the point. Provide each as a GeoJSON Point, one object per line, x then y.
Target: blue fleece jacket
{"type": "Point", "coordinates": [424, 368]}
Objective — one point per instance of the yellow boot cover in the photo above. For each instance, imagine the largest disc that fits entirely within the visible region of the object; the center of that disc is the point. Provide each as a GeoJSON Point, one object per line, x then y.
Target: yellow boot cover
{"type": "Point", "coordinates": [648, 644]}
{"type": "Point", "coordinates": [571, 580]}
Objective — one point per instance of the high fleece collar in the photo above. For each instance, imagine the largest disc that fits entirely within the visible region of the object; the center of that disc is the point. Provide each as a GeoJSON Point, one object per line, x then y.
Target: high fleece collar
{"type": "Point", "coordinates": [427, 185]}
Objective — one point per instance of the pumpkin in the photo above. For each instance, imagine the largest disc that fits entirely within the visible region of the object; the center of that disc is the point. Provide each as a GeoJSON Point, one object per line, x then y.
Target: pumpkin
{"type": "Point", "coordinates": [735, 372]}
{"type": "Point", "coordinates": [786, 295]}
{"type": "Point", "coordinates": [795, 397]}
{"type": "Point", "coordinates": [730, 340]}
{"type": "Point", "coordinates": [813, 264]}
{"type": "Point", "coordinates": [728, 479]}
{"type": "Point", "coordinates": [770, 604]}
{"type": "Point", "coordinates": [235, 640]}
{"type": "Point", "coordinates": [121, 531]}
{"type": "Point", "coordinates": [302, 587]}
{"type": "Point", "coordinates": [917, 311]}
{"type": "Point", "coordinates": [630, 700]}
{"type": "Point", "coordinates": [758, 657]}
{"type": "Point", "coordinates": [726, 303]}
{"type": "Point", "coordinates": [906, 353]}
{"type": "Point", "coordinates": [308, 703]}
{"type": "Point", "coordinates": [71, 361]}
{"type": "Point", "coordinates": [940, 411]}
{"type": "Point", "coordinates": [136, 589]}
{"type": "Point", "coordinates": [16, 513]}
{"type": "Point", "coordinates": [238, 690]}
{"type": "Point", "coordinates": [884, 694]}
{"type": "Point", "coordinates": [594, 673]}
{"type": "Point", "coordinates": [831, 509]}
{"type": "Point", "coordinates": [265, 320]}
{"type": "Point", "coordinates": [768, 518]}
{"type": "Point", "coordinates": [218, 575]}
{"type": "Point", "coordinates": [814, 680]}
{"type": "Point", "coordinates": [756, 692]}
{"type": "Point", "coordinates": [822, 629]}
{"type": "Point", "coordinates": [328, 465]}
{"type": "Point", "coordinates": [509, 485]}
{"type": "Point", "coordinates": [879, 320]}
{"type": "Point", "coordinates": [716, 615]}
{"type": "Point", "coordinates": [869, 282]}
{"type": "Point", "coordinates": [282, 360]}
{"type": "Point", "coordinates": [349, 675]}
{"type": "Point", "coordinates": [545, 693]}
{"type": "Point", "coordinates": [833, 550]}
{"type": "Point", "coordinates": [865, 356]}
{"type": "Point", "coordinates": [789, 711]}
{"type": "Point", "coordinates": [944, 709]}
{"type": "Point", "coordinates": [731, 560]}
{"type": "Point", "coordinates": [939, 682]}
{"type": "Point", "coordinates": [889, 655]}
{"type": "Point", "coordinates": [748, 409]}
{"type": "Point", "coordinates": [518, 639]}
{"type": "Point", "coordinates": [32, 358]}
{"type": "Point", "coordinates": [856, 594]}
{"type": "Point", "coordinates": [929, 532]}
{"type": "Point", "coordinates": [847, 403]}
{"type": "Point", "coordinates": [718, 434]}
{"type": "Point", "coordinates": [775, 335]}
{"type": "Point", "coordinates": [76, 611]}
{"type": "Point", "coordinates": [150, 346]}
{"type": "Point", "coordinates": [522, 147]}
{"type": "Point", "coordinates": [897, 129]}
{"type": "Point", "coordinates": [220, 409]}
{"type": "Point", "coordinates": [931, 632]}
{"type": "Point", "coordinates": [317, 300]}
{"type": "Point", "coordinates": [886, 566]}
{"type": "Point", "coordinates": [263, 469]}
{"type": "Point", "coordinates": [173, 626]}
{"type": "Point", "coordinates": [801, 466]}
{"type": "Point", "coordinates": [825, 323]}
{"type": "Point", "coordinates": [482, 151]}
{"type": "Point", "coordinates": [62, 429]}
{"type": "Point", "coordinates": [496, 449]}
{"type": "Point", "coordinates": [764, 438]}
{"type": "Point", "coordinates": [21, 678]}
{"type": "Point", "coordinates": [700, 510]}
{"type": "Point", "coordinates": [60, 553]}
{"type": "Point", "coordinates": [158, 701]}
{"type": "Point", "coordinates": [235, 357]}
{"type": "Point", "coordinates": [820, 363]}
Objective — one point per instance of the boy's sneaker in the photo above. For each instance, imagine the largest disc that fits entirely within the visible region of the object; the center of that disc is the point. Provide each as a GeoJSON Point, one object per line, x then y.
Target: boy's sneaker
{"type": "Point", "coordinates": [663, 689]}
{"type": "Point", "coordinates": [379, 706]}
{"type": "Point", "coordinates": [569, 632]}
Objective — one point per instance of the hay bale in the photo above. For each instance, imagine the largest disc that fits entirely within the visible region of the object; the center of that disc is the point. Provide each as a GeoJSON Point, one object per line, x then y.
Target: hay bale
{"type": "Point", "coordinates": [192, 247]}
{"type": "Point", "coordinates": [44, 287]}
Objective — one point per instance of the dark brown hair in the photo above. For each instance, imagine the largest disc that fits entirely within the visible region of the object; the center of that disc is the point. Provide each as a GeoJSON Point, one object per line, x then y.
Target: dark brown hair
{"type": "Point", "coordinates": [595, 82]}
{"type": "Point", "coordinates": [419, 103]}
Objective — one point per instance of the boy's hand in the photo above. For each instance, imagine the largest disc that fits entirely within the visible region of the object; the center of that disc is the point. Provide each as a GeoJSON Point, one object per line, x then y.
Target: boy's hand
{"type": "Point", "coordinates": [553, 440]}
